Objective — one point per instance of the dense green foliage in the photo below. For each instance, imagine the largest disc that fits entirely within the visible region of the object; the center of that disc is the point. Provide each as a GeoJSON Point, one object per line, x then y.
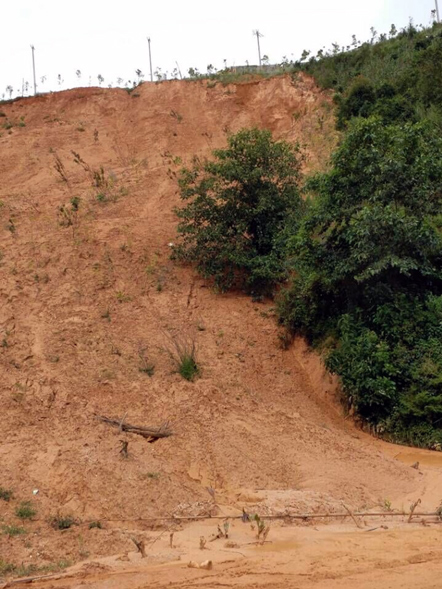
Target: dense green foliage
{"type": "Point", "coordinates": [368, 262]}
{"type": "Point", "coordinates": [360, 259]}
{"type": "Point", "coordinates": [399, 77]}
{"type": "Point", "coordinates": [238, 208]}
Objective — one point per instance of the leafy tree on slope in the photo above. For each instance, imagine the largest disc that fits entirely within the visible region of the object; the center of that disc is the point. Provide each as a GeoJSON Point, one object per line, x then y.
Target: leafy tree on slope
{"type": "Point", "coordinates": [238, 207]}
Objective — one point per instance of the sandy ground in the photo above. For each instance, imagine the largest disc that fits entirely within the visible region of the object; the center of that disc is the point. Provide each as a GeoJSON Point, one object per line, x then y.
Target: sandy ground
{"type": "Point", "coordinates": [384, 554]}
{"type": "Point", "coordinates": [89, 298]}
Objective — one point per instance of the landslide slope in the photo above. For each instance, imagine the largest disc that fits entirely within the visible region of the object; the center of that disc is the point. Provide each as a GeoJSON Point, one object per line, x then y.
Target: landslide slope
{"type": "Point", "coordinates": [90, 297]}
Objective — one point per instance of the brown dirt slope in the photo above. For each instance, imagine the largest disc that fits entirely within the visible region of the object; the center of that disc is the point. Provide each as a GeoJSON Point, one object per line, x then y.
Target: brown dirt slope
{"type": "Point", "coordinates": [89, 298]}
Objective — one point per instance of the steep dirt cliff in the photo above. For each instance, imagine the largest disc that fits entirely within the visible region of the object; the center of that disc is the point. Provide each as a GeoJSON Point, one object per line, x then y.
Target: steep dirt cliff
{"type": "Point", "coordinates": [90, 304]}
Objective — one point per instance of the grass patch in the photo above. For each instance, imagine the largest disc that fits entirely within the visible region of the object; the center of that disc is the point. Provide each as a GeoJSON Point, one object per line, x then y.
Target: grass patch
{"type": "Point", "coordinates": [13, 531]}
{"type": "Point", "coordinates": [146, 366]}
{"type": "Point", "coordinates": [183, 350]}
{"type": "Point", "coordinates": [188, 367]}
{"type": "Point", "coordinates": [148, 369]}
{"type": "Point", "coordinates": [25, 570]}
{"type": "Point", "coordinates": [5, 494]}
{"type": "Point", "coordinates": [106, 315]}
{"type": "Point", "coordinates": [25, 510]}
{"type": "Point", "coordinates": [63, 522]}
{"type": "Point", "coordinates": [153, 475]}
{"type": "Point", "coordinates": [6, 568]}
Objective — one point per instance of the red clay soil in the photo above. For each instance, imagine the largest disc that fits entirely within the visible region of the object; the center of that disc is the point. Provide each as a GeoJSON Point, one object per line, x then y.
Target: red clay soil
{"type": "Point", "coordinates": [90, 304]}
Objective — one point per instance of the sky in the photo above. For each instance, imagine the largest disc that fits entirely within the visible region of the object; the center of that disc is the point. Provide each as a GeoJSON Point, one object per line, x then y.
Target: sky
{"type": "Point", "coordinates": [109, 37]}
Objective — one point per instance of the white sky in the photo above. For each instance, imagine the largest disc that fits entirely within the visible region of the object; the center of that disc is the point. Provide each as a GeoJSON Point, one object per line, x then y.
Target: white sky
{"type": "Point", "coordinates": [108, 37]}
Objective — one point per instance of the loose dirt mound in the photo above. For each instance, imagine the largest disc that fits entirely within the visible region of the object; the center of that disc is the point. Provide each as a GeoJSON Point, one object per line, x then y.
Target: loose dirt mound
{"type": "Point", "coordinates": [89, 303]}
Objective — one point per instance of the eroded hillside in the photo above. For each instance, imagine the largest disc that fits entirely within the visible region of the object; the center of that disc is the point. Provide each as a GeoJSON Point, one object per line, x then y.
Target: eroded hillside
{"type": "Point", "coordinates": [90, 299]}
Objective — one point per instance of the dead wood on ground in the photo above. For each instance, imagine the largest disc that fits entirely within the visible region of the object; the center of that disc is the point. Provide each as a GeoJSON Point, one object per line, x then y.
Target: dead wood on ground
{"type": "Point", "coordinates": [151, 434]}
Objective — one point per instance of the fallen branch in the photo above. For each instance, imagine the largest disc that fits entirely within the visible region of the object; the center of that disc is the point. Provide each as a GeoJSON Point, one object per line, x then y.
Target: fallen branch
{"type": "Point", "coordinates": [26, 580]}
{"type": "Point", "coordinates": [282, 516]}
{"type": "Point", "coordinates": [151, 434]}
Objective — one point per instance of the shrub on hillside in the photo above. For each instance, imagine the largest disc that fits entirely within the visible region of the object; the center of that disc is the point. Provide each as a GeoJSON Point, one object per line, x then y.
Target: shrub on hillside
{"type": "Point", "coordinates": [408, 63]}
{"type": "Point", "coordinates": [368, 263]}
{"type": "Point", "coordinates": [363, 100]}
{"type": "Point", "coordinates": [238, 207]}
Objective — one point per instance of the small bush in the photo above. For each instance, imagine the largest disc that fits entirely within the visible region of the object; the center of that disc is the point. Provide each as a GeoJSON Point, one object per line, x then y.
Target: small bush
{"type": "Point", "coordinates": [95, 525]}
{"type": "Point", "coordinates": [6, 568]}
{"type": "Point", "coordinates": [5, 494]}
{"type": "Point", "coordinates": [176, 115]}
{"type": "Point", "coordinates": [65, 522]}
{"type": "Point", "coordinates": [183, 354]}
{"type": "Point", "coordinates": [25, 510]}
{"type": "Point", "coordinates": [12, 531]}
{"type": "Point", "coordinates": [359, 101]}
{"type": "Point", "coordinates": [99, 178]}
{"type": "Point", "coordinates": [146, 365]}
{"type": "Point", "coordinates": [188, 368]}
{"type": "Point", "coordinates": [24, 570]}
{"type": "Point", "coordinates": [75, 202]}
{"type": "Point", "coordinates": [239, 209]}
{"type": "Point", "coordinates": [148, 368]}
{"type": "Point", "coordinates": [106, 315]}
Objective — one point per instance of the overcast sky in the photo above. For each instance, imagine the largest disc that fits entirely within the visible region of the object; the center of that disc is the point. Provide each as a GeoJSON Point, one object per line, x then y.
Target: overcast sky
{"type": "Point", "coordinates": [108, 37]}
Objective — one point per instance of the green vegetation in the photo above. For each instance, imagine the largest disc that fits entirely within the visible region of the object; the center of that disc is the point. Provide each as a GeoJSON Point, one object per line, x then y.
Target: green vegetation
{"type": "Point", "coordinates": [9, 124]}
{"type": "Point", "coordinates": [397, 78]}
{"type": "Point", "coordinates": [235, 75]}
{"type": "Point", "coordinates": [146, 366]}
{"type": "Point", "coordinates": [368, 280]}
{"type": "Point", "coordinates": [368, 256]}
{"type": "Point", "coordinates": [153, 475]}
{"type": "Point", "coordinates": [5, 494]}
{"type": "Point", "coordinates": [359, 262]}
{"type": "Point", "coordinates": [239, 207]}
{"type": "Point", "coordinates": [12, 531]}
{"type": "Point", "coordinates": [188, 367]}
{"type": "Point", "coordinates": [183, 353]}
{"type": "Point", "coordinates": [6, 568]}
{"type": "Point", "coordinates": [25, 510]}
{"type": "Point", "coordinates": [60, 522]}
{"type": "Point", "coordinates": [25, 570]}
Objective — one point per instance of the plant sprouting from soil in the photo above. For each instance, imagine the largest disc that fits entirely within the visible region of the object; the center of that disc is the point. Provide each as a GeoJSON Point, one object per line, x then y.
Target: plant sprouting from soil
{"type": "Point", "coordinates": [63, 522]}
{"type": "Point", "coordinates": [25, 510]}
{"type": "Point", "coordinates": [182, 349]}
{"type": "Point", "coordinates": [5, 494]}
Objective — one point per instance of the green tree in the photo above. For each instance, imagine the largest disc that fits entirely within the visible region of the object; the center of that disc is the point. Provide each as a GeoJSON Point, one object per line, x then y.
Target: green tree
{"type": "Point", "coordinates": [368, 263]}
{"type": "Point", "coordinates": [428, 74]}
{"type": "Point", "coordinates": [238, 207]}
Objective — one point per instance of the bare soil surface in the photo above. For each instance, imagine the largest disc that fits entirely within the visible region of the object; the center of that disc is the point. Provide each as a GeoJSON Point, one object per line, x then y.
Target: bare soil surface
{"type": "Point", "coordinates": [90, 305]}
